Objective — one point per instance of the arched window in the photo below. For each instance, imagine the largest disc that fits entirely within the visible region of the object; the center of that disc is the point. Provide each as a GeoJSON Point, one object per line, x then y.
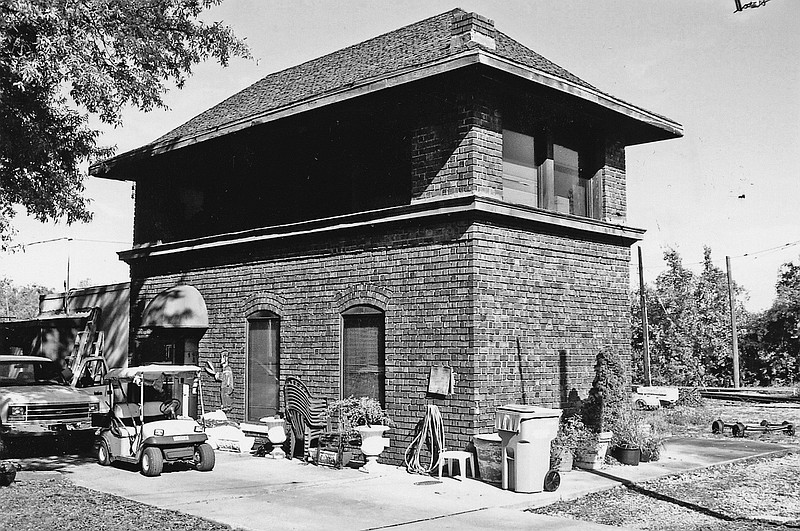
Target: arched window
{"type": "Point", "coordinates": [263, 361]}
{"type": "Point", "coordinates": [363, 358]}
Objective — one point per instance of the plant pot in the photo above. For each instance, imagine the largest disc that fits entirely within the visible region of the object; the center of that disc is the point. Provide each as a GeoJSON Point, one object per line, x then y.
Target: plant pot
{"type": "Point", "coordinates": [8, 472]}
{"type": "Point", "coordinates": [372, 444]}
{"type": "Point", "coordinates": [592, 456]}
{"type": "Point", "coordinates": [628, 456]}
{"type": "Point", "coordinates": [562, 460]}
{"type": "Point", "coordinates": [490, 457]}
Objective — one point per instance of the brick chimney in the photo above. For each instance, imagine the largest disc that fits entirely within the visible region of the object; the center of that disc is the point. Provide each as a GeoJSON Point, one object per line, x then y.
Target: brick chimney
{"type": "Point", "coordinates": [470, 29]}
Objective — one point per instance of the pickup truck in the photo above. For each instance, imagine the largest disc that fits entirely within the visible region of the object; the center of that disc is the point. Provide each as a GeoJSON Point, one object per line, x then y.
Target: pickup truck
{"type": "Point", "coordinates": [36, 401]}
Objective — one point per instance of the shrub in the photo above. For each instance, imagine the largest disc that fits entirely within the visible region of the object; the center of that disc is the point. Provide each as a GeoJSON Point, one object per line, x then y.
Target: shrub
{"type": "Point", "coordinates": [608, 395]}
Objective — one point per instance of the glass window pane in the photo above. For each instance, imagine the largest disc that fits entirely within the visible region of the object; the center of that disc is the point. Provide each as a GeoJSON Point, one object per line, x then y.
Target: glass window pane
{"type": "Point", "coordinates": [363, 368]}
{"type": "Point", "coordinates": [570, 189]}
{"type": "Point", "coordinates": [262, 368]}
{"type": "Point", "coordinates": [520, 174]}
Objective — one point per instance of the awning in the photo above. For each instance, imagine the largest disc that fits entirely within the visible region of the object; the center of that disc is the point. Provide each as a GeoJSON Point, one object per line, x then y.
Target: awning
{"type": "Point", "coordinates": [178, 307]}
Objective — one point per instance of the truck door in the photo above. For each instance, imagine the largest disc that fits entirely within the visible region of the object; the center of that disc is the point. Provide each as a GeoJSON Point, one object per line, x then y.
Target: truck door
{"type": "Point", "coordinates": [89, 379]}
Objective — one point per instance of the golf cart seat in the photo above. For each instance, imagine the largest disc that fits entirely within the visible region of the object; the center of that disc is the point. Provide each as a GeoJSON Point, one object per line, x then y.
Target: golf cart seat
{"type": "Point", "coordinates": [127, 413]}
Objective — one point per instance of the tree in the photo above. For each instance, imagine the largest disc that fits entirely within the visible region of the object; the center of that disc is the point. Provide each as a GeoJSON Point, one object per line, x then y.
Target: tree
{"type": "Point", "coordinates": [62, 60]}
{"type": "Point", "coordinates": [771, 346]}
{"type": "Point", "coordinates": [20, 302]}
{"type": "Point", "coordinates": [689, 324]}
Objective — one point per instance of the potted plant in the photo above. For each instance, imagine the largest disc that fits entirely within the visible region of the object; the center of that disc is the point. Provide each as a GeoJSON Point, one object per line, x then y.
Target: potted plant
{"type": "Point", "coordinates": [601, 408]}
{"type": "Point", "coordinates": [366, 417]}
{"type": "Point", "coordinates": [8, 471]}
{"type": "Point", "coordinates": [571, 432]}
{"type": "Point", "coordinates": [627, 439]}
{"type": "Point", "coordinates": [651, 446]}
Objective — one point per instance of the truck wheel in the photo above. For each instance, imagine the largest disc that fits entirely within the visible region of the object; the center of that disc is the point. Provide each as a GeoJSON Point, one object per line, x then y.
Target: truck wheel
{"type": "Point", "coordinates": [103, 454]}
{"type": "Point", "coordinates": [204, 457]}
{"type": "Point", "coordinates": [152, 462]}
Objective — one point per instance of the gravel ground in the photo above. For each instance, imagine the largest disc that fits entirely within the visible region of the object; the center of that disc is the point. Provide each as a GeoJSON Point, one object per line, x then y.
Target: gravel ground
{"type": "Point", "coordinates": [755, 494]}
{"type": "Point", "coordinates": [758, 494]}
{"type": "Point", "coordinates": [55, 503]}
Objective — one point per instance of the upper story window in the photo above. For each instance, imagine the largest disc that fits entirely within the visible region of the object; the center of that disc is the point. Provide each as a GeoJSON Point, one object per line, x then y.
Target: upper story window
{"type": "Point", "coordinates": [545, 174]}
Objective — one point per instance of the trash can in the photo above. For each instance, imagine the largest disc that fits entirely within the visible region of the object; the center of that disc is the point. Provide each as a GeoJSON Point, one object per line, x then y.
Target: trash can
{"type": "Point", "coordinates": [525, 435]}
{"type": "Point", "coordinates": [487, 446]}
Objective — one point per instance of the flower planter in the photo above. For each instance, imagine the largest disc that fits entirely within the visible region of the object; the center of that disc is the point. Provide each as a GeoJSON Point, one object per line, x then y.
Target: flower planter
{"type": "Point", "coordinates": [593, 456]}
{"type": "Point", "coordinates": [628, 456]}
{"type": "Point", "coordinates": [372, 444]}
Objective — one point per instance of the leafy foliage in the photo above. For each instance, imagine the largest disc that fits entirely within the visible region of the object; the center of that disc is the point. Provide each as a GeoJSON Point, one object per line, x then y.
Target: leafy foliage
{"type": "Point", "coordinates": [689, 324]}
{"type": "Point", "coordinates": [363, 411]}
{"type": "Point", "coordinates": [20, 302]}
{"type": "Point", "coordinates": [771, 347]}
{"type": "Point", "coordinates": [61, 60]}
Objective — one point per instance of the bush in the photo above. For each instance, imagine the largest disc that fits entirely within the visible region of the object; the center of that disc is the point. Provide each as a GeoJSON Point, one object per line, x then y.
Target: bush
{"type": "Point", "coordinates": [608, 395]}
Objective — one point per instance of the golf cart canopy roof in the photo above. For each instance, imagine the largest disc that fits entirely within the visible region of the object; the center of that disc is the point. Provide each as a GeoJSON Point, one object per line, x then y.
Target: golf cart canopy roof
{"type": "Point", "coordinates": [151, 372]}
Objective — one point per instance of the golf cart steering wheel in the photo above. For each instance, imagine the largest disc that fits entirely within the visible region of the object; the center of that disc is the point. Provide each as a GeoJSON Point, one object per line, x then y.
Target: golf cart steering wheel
{"type": "Point", "coordinates": [170, 407]}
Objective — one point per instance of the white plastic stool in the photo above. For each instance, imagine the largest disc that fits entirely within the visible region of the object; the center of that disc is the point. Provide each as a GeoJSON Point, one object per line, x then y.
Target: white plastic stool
{"type": "Point", "coordinates": [449, 456]}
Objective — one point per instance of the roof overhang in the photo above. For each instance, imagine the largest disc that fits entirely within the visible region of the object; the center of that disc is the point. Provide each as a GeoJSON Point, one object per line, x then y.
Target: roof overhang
{"type": "Point", "coordinates": [663, 128]}
{"type": "Point", "coordinates": [474, 207]}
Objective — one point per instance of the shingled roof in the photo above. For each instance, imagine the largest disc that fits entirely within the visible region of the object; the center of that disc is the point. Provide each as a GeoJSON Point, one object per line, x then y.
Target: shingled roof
{"type": "Point", "coordinates": [408, 49]}
{"type": "Point", "coordinates": [415, 45]}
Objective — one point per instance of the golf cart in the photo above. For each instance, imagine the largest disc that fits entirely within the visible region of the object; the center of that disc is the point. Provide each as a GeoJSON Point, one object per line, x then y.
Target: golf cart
{"type": "Point", "coordinates": [144, 426]}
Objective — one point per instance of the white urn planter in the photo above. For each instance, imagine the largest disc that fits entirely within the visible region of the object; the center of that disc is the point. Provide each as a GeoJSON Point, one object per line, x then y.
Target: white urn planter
{"type": "Point", "coordinates": [372, 444]}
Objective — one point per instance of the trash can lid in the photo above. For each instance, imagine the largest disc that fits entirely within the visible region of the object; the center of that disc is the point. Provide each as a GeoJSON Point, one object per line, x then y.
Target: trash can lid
{"type": "Point", "coordinates": [509, 416]}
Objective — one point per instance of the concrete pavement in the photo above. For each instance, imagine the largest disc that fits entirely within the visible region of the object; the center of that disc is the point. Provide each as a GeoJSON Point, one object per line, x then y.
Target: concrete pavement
{"type": "Point", "coordinates": [257, 493]}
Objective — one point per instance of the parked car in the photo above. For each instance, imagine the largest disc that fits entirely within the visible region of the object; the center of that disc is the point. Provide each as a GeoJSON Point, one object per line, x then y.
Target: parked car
{"type": "Point", "coordinates": [144, 425]}
{"type": "Point", "coordinates": [36, 401]}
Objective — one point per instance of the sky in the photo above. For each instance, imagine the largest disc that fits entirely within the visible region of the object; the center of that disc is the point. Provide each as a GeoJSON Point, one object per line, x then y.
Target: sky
{"type": "Point", "coordinates": [731, 79]}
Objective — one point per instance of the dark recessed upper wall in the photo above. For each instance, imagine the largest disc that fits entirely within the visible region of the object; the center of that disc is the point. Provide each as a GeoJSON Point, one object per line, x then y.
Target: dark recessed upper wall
{"type": "Point", "coordinates": [350, 157]}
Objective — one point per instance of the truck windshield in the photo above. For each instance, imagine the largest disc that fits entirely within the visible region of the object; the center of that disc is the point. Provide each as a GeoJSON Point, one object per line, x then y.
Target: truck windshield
{"type": "Point", "coordinates": [22, 373]}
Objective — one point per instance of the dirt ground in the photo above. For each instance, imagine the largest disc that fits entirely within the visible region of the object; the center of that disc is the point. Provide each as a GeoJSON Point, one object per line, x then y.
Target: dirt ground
{"type": "Point", "coordinates": [55, 503]}
{"type": "Point", "coordinates": [756, 494]}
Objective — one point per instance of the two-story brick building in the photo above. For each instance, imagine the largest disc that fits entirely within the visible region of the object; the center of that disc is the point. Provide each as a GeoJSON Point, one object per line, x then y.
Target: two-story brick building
{"type": "Point", "coordinates": [438, 195]}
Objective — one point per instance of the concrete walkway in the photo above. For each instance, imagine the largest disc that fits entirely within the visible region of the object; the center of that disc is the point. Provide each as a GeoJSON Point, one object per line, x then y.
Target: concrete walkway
{"type": "Point", "coordinates": [255, 493]}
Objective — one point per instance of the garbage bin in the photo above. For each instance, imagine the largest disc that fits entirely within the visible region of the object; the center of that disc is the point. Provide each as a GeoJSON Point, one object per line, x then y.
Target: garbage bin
{"type": "Point", "coordinates": [525, 434]}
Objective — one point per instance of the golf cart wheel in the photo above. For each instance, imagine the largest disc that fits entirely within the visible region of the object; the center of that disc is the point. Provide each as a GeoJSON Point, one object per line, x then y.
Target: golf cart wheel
{"type": "Point", "coordinates": [552, 480]}
{"type": "Point", "coordinates": [103, 453]}
{"type": "Point", "coordinates": [738, 429]}
{"type": "Point", "coordinates": [204, 457]}
{"type": "Point", "coordinates": [717, 426]}
{"type": "Point", "coordinates": [764, 423]}
{"type": "Point", "coordinates": [790, 429]}
{"type": "Point", "coordinates": [152, 462]}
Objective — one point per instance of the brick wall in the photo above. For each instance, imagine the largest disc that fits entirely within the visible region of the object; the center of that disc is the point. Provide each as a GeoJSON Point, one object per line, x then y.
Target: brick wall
{"type": "Point", "coordinates": [419, 276]}
{"type": "Point", "coordinates": [459, 150]}
{"type": "Point", "coordinates": [613, 174]}
{"type": "Point", "coordinates": [455, 293]}
{"type": "Point", "coordinates": [547, 303]}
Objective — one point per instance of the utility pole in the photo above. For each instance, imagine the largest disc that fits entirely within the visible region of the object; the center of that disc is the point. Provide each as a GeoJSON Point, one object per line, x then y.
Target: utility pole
{"type": "Point", "coordinates": [643, 299]}
{"type": "Point", "coordinates": [735, 339]}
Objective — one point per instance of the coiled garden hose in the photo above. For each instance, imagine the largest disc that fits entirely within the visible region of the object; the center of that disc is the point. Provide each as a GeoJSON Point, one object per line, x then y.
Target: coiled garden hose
{"type": "Point", "coordinates": [430, 431]}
